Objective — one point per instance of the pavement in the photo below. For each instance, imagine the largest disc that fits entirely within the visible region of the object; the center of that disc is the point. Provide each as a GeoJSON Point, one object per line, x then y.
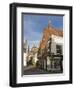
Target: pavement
{"type": "Point", "coordinates": [34, 70]}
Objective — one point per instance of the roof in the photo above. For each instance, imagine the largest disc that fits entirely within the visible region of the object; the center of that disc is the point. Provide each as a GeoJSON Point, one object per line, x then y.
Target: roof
{"type": "Point", "coordinates": [47, 33]}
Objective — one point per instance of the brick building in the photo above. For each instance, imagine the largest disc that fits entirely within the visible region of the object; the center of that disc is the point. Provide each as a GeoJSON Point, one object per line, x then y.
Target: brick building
{"type": "Point", "coordinates": [50, 53]}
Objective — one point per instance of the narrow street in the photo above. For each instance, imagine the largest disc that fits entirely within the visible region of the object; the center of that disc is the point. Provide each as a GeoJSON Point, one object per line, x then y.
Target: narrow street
{"type": "Point", "coordinates": [34, 70]}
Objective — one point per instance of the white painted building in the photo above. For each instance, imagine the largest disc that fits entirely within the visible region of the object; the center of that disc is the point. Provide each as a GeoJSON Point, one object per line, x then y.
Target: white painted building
{"type": "Point", "coordinates": [56, 41]}
{"type": "Point", "coordinates": [56, 48]}
{"type": "Point", "coordinates": [33, 54]}
{"type": "Point", "coordinates": [24, 59]}
{"type": "Point", "coordinates": [51, 49]}
{"type": "Point", "coordinates": [35, 57]}
{"type": "Point", "coordinates": [25, 53]}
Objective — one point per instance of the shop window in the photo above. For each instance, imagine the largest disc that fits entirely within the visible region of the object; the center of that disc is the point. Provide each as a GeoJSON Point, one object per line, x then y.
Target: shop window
{"type": "Point", "coordinates": [58, 49]}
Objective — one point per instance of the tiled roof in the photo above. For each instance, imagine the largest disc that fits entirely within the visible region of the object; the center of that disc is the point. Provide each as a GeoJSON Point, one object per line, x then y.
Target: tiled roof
{"type": "Point", "coordinates": [47, 33]}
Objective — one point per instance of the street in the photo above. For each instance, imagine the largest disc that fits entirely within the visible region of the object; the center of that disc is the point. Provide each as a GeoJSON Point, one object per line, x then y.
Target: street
{"type": "Point", "coordinates": [34, 70]}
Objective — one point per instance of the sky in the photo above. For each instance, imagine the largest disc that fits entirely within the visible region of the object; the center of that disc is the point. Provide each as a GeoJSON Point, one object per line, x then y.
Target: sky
{"type": "Point", "coordinates": [33, 26]}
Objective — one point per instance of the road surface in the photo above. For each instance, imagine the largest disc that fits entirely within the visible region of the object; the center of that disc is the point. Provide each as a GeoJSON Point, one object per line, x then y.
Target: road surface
{"type": "Point", "coordinates": [34, 70]}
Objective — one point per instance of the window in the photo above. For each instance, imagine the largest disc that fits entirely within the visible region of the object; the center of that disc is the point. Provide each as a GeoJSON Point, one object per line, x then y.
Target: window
{"type": "Point", "coordinates": [58, 49]}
